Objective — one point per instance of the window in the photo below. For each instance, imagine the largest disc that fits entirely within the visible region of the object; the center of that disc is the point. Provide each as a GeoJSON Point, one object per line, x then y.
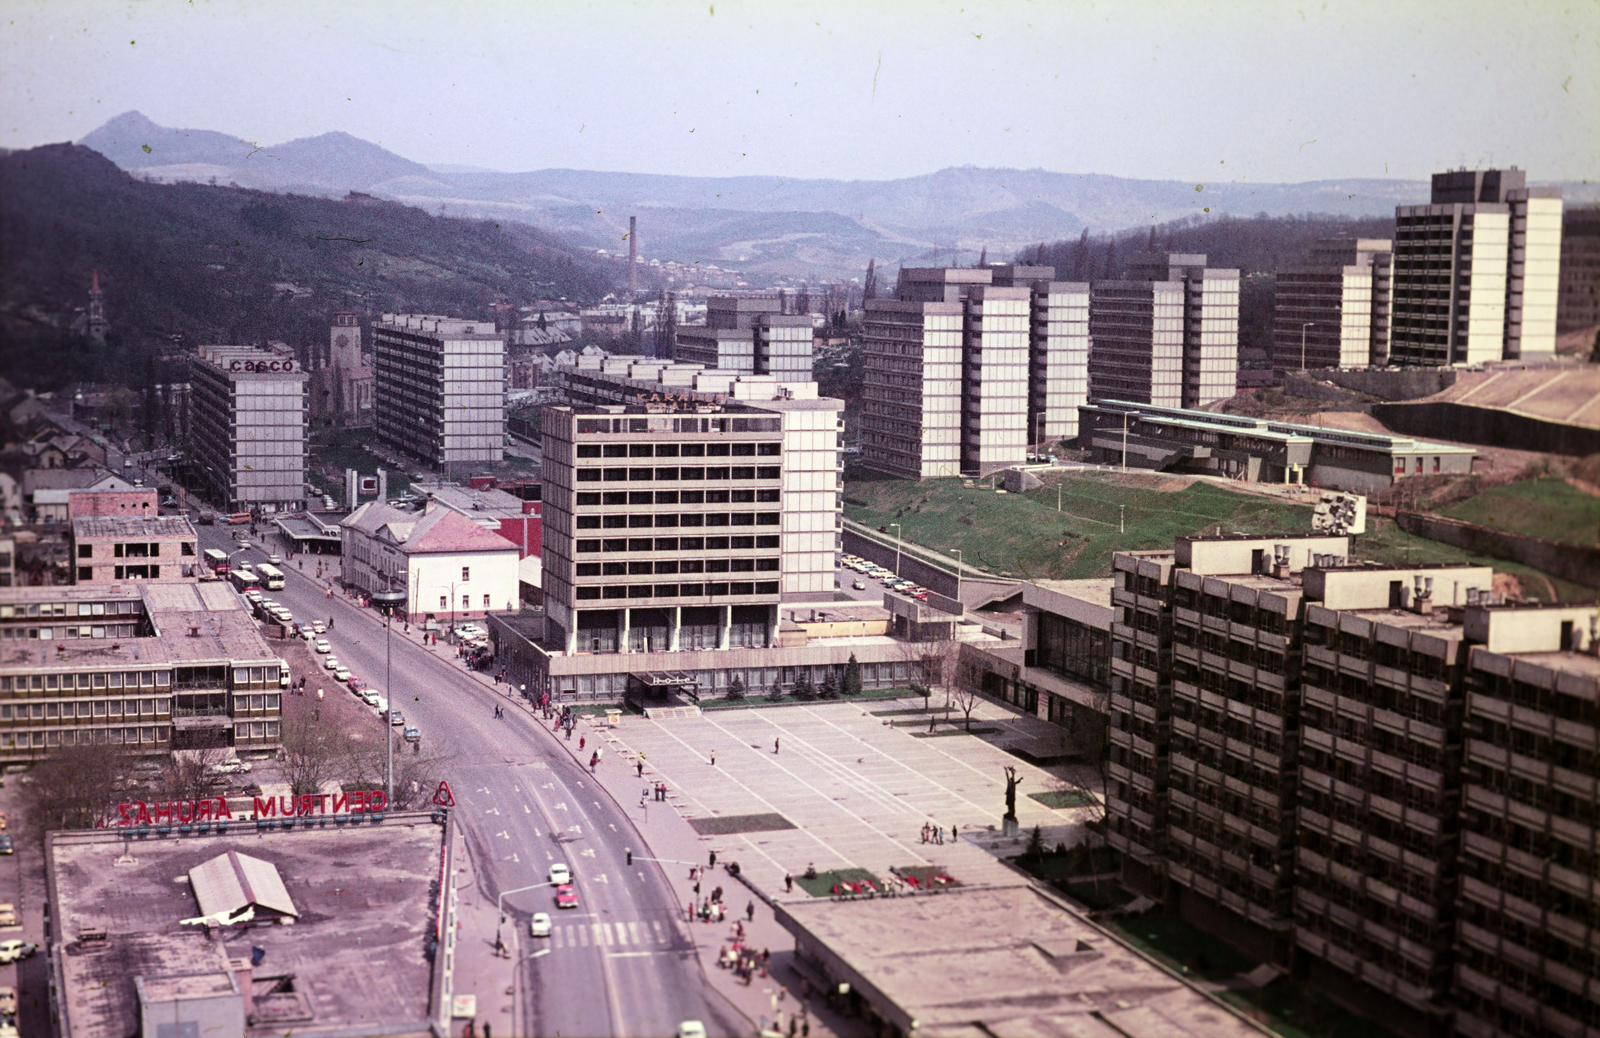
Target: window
{"type": "Point", "coordinates": [588, 476]}
{"type": "Point", "coordinates": [485, 602]}
{"type": "Point", "coordinates": [85, 551]}
{"type": "Point", "coordinates": [586, 544]}
{"type": "Point", "coordinates": [466, 574]}
{"type": "Point", "coordinates": [466, 602]}
{"type": "Point", "coordinates": [85, 573]}
{"type": "Point", "coordinates": [588, 450]}
{"type": "Point", "coordinates": [444, 602]}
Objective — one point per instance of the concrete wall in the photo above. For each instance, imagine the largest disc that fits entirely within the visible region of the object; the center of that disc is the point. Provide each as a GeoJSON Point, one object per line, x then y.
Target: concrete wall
{"type": "Point", "coordinates": [1489, 426]}
{"type": "Point", "coordinates": [1392, 384]}
{"type": "Point", "coordinates": [1573, 562]}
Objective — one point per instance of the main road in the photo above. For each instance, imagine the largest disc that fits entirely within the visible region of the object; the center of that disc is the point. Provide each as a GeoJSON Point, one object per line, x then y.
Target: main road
{"type": "Point", "coordinates": [618, 964]}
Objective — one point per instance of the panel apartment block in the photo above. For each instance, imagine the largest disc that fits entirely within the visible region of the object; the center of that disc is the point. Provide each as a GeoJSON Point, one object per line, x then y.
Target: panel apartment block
{"type": "Point", "coordinates": [1058, 359]}
{"type": "Point", "coordinates": [751, 336]}
{"type": "Point", "coordinates": [440, 389]}
{"type": "Point", "coordinates": [1476, 271]}
{"type": "Point", "coordinates": [248, 428]}
{"type": "Point", "coordinates": [1167, 334]}
{"type": "Point", "coordinates": [1334, 312]}
{"type": "Point", "coordinates": [994, 379]}
{"type": "Point", "coordinates": [911, 397]}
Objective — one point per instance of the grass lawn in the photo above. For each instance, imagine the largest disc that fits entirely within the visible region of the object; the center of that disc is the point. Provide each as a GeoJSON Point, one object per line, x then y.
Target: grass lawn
{"type": "Point", "coordinates": [941, 733]}
{"type": "Point", "coordinates": [822, 885]}
{"type": "Point", "coordinates": [1182, 947]}
{"type": "Point", "coordinates": [1299, 1011]}
{"type": "Point", "coordinates": [1064, 798]}
{"type": "Point", "coordinates": [1024, 535]}
{"type": "Point", "coordinates": [1549, 508]}
{"type": "Point", "coordinates": [1079, 861]}
{"type": "Point", "coordinates": [1097, 896]}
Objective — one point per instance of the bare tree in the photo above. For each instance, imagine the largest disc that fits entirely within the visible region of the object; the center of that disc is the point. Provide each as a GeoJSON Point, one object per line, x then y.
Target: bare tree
{"type": "Point", "coordinates": [188, 774]}
{"type": "Point", "coordinates": [417, 772]}
{"type": "Point", "coordinates": [77, 787]}
{"type": "Point", "coordinates": [314, 753]}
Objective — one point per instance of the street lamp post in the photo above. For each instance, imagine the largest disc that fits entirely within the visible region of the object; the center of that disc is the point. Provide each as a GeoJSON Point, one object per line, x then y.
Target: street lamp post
{"type": "Point", "coordinates": [500, 908]}
{"type": "Point", "coordinates": [1303, 328]}
{"type": "Point", "coordinates": [896, 548]}
{"type": "Point", "coordinates": [957, 553]}
{"type": "Point", "coordinates": [1125, 416]}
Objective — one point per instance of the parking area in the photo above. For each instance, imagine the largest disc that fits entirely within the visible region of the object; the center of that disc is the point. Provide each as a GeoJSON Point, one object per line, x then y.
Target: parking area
{"type": "Point", "coordinates": [866, 581]}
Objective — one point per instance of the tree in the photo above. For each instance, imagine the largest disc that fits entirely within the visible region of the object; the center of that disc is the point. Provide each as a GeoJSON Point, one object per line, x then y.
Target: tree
{"type": "Point", "coordinates": [852, 677]}
{"type": "Point", "coordinates": [775, 693]}
{"type": "Point", "coordinates": [1035, 845]}
{"type": "Point", "coordinates": [735, 689]}
{"type": "Point", "coordinates": [830, 686]}
{"type": "Point", "coordinates": [77, 787]}
{"type": "Point", "coordinates": [802, 689]}
{"type": "Point", "coordinates": [315, 754]}
{"type": "Point", "coordinates": [188, 775]}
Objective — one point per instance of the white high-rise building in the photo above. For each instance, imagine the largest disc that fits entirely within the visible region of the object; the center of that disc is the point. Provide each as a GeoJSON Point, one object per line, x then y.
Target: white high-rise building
{"type": "Point", "coordinates": [248, 428]}
{"type": "Point", "coordinates": [440, 390]}
{"type": "Point", "coordinates": [1334, 312]}
{"type": "Point", "coordinates": [1477, 271]}
{"type": "Point", "coordinates": [1166, 334]}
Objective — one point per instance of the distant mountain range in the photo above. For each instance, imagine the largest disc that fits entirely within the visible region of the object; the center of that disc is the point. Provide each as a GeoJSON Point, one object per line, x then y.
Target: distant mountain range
{"type": "Point", "coordinates": [772, 225]}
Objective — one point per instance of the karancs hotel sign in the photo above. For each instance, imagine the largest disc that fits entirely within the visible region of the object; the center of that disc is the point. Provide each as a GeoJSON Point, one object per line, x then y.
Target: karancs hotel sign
{"type": "Point", "coordinates": [217, 809]}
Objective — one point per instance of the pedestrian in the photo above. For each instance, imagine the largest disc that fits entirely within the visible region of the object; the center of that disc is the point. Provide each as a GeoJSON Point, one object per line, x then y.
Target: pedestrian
{"type": "Point", "coordinates": [774, 745]}
{"type": "Point", "coordinates": [599, 753]}
{"type": "Point", "coordinates": [694, 870]}
{"type": "Point", "coordinates": [750, 911]}
{"type": "Point", "coordinates": [924, 832]}
{"type": "Point", "coordinates": [712, 861]}
{"type": "Point", "coordinates": [593, 760]}
{"type": "Point", "coordinates": [697, 888]}
{"type": "Point", "coordinates": [952, 834]}
{"type": "Point", "coordinates": [788, 882]}
{"type": "Point", "coordinates": [639, 766]}
{"type": "Point", "coordinates": [581, 740]}
{"type": "Point", "coordinates": [793, 1026]}
{"type": "Point", "coordinates": [713, 758]}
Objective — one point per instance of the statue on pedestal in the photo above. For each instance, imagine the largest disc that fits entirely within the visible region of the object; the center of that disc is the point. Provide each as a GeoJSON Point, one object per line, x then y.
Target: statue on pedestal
{"type": "Point", "coordinates": [1009, 822]}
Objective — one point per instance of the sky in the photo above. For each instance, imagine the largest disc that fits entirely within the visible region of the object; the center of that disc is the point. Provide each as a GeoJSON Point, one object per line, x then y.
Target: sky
{"type": "Point", "coordinates": [862, 90]}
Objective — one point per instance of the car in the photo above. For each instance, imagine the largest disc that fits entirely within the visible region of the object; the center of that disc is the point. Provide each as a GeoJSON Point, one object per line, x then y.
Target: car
{"type": "Point", "coordinates": [243, 542]}
{"type": "Point", "coordinates": [8, 917]}
{"type": "Point", "coordinates": [413, 733]}
{"type": "Point", "coordinates": [859, 585]}
{"type": "Point", "coordinates": [321, 644]}
{"type": "Point", "coordinates": [691, 1029]}
{"type": "Point", "coordinates": [330, 662]}
{"type": "Point", "coordinates": [6, 844]}
{"type": "Point", "coordinates": [8, 1001]}
{"type": "Point", "coordinates": [254, 595]}
{"type": "Point", "coordinates": [235, 766]}
{"type": "Point", "coordinates": [147, 766]}
{"type": "Point", "coordinates": [16, 951]}
{"type": "Point", "coordinates": [321, 628]}
{"type": "Point", "coordinates": [275, 558]}
{"type": "Point", "coordinates": [566, 896]}
{"type": "Point", "coordinates": [352, 680]}
{"type": "Point", "coordinates": [396, 718]}
{"type": "Point", "coordinates": [341, 673]}
{"type": "Point", "coordinates": [539, 925]}
{"type": "Point", "coordinates": [369, 697]}
{"type": "Point", "coordinates": [559, 873]}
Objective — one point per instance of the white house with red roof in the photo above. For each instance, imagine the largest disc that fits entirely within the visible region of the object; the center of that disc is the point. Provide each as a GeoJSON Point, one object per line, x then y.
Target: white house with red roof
{"type": "Point", "coordinates": [450, 567]}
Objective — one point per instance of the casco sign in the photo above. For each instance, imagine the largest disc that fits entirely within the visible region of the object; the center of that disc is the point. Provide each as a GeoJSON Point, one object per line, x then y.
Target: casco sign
{"type": "Point", "coordinates": [261, 366]}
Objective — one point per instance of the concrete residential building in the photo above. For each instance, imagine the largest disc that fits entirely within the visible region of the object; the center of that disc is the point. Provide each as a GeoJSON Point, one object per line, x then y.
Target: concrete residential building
{"type": "Point", "coordinates": [111, 549]}
{"type": "Point", "coordinates": [1334, 312]}
{"type": "Point", "coordinates": [749, 335]}
{"type": "Point", "coordinates": [248, 429]}
{"type": "Point", "coordinates": [1167, 333]}
{"type": "Point", "coordinates": [1476, 271]}
{"type": "Point", "coordinates": [1118, 432]}
{"type": "Point", "coordinates": [439, 390]}
{"type": "Point", "coordinates": [450, 567]}
{"type": "Point", "coordinates": [967, 366]}
{"type": "Point", "coordinates": [1578, 305]}
{"type": "Point", "coordinates": [149, 666]}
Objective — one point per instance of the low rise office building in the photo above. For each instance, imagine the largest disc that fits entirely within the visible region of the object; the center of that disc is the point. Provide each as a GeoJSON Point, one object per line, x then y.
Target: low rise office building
{"type": "Point", "coordinates": [750, 336]}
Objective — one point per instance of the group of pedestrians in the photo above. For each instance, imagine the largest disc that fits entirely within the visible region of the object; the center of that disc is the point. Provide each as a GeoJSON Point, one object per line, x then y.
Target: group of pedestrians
{"type": "Point", "coordinates": [934, 834]}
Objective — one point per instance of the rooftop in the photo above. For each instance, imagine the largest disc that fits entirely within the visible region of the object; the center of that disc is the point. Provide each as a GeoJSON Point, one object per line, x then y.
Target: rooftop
{"type": "Point", "coordinates": [1273, 430]}
{"type": "Point", "coordinates": [150, 526]}
{"type": "Point", "coordinates": [1001, 960]}
{"type": "Point", "coordinates": [356, 953]}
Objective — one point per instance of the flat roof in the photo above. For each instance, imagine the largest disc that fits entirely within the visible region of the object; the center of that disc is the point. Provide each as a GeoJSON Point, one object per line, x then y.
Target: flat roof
{"type": "Point", "coordinates": [1000, 960]}
{"type": "Point", "coordinates": [1273, 429]}
{"type": "Point", "coordinates": [363, 892]}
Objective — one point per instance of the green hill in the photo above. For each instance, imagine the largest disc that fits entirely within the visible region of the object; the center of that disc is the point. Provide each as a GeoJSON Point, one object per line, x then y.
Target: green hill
{"type": "Point", "coordinates": [226, 264]}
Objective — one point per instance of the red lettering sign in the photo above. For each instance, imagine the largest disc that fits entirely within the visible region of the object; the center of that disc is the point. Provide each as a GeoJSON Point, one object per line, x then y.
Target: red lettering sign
{"type": "Point", "coordinates": [216, 809]}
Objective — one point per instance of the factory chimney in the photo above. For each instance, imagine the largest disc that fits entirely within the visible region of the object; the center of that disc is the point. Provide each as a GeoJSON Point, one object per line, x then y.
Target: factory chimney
{"type": "Point", "coordinates": [633, 253]}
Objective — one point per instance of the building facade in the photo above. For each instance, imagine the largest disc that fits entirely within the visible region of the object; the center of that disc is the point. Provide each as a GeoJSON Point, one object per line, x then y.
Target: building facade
{"type": "Point", "coordinates": [1476, 271]}
{"type": "Point", "coordinates": [1578, 305]}
{"type": "Point", "coordinates": [147, 667]}
{"type": "Point", "coordinates": [248, 428]}
{"type": "Point", "coordinates": [341, 389]}
{"type": "Point", "coordinates": [1334, 312]}
{"type": "Point", "coordinates": [439, 390]}
{"type": "Point", "coordinates": [451, 568]}
{"type": "Point", "coordinates": [112, 549]}
{"type": "Point", "coordinates": [1167, 333]}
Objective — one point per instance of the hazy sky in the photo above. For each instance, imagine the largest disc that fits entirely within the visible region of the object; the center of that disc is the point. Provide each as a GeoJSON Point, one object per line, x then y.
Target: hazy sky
{"type": "Point", "coordinates": [856, 90]}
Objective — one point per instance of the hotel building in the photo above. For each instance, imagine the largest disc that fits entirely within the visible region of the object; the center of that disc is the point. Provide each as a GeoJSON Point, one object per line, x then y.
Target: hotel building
{"type": "Point", "coordinates": [439, 390]}
{"type": "Point", "coordinates": [248, 428]}
{"type": "Point", "coordinates": [1477, 271]}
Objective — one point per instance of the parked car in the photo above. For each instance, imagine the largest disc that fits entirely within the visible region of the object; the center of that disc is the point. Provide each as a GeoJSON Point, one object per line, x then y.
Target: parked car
{"type": "Point", "coordinates": [859, 585]}
{"type": "Point", "coordinates": [369, 697]}
{"type": "Point", "coordinates": [234, 766]}
{"type": "Point", "coordinates": [8, 917]}
{"type": "Point", "coordinates": [2, 821]}
{"type": "Point", "coordinates": [331, 663]}
{"type": "Point", "coordinates": [16, 951]}
{"type": "Point", "coordinates": [559, 873]}
{"type": "Point", "coordinates": [396, 718]}
{"type": "Point", "coordinates": [539, 925]}
{"type": "Point", "coordinates": [321, 628]}
{"type": "Point", "coordinates": [275, 558]}
{"type": "Point", "coordinates": [566, 896]}
{"type": "Point", "coordinates": [413, 733]}
{"type": "Point", "coordinates": [352, 680]}
{"type": "Point", "coordinates": [321, 644]}
{"type": "Point", "coordinates": [341, 673]}
{"type": "Point", "coordinates": [691, 1029]}
{"type": "Point", "coordinates": [6, 844]}
{"type": "Point", "coordinates": [8, 1001]}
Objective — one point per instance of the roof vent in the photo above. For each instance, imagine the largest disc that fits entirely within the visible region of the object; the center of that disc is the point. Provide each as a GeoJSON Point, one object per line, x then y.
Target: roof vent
{"type": "Point", "coordinates": [194, 631]}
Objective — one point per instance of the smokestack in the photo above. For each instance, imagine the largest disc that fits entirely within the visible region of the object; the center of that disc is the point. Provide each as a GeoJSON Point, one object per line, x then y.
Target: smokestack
{"type": "Point", "coordinates": [633, 252]}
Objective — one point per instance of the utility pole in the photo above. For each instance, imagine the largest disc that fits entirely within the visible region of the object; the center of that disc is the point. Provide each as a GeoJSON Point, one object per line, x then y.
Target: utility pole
{"type": "Point", "coordinates": [1303, 328]}
{"type": "Point", "coordinates": [896, 548]}
{"type": "Point", "coordinates": [1122, 515]}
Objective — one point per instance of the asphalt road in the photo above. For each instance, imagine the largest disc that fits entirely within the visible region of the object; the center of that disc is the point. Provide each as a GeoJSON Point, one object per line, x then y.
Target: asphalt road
{"type": "Point", "coordinates": [619, 963]}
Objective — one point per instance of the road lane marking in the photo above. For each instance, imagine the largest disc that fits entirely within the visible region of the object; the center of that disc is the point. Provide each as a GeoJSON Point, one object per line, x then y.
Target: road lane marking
{"type": "Point", "coordinates": [638, 954]}
{"type": "Point", "coordinates": [633, 931]}
{"type": "Point", "coordinates": [541, 951]}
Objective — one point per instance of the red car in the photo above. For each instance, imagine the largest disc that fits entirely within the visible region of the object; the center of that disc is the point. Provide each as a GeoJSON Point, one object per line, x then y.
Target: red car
{"type": "Point", "coordinates": [354, 681]}
{"type": "Point", "coordinates": [566, 896]}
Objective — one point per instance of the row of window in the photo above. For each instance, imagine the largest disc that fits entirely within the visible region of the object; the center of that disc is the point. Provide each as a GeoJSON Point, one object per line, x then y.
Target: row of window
{"type": "Point", "coordinates": [625, 475]}
{"type": "Point", "coordinates": [123, 608]}
{"type": "Point", "coordinates": [96, 709]}
{"type": "Point", "coordinates": [50, 633]}
{"type": "Point", "coordinates": [84, 737]}
{"type": "Point", "coordinates": [675, 497]}
{"type": "Point", "coordinates": [715, 590]}
{"type": "Point", "coordinates": [612, 544]}
{"type": "Point", "coordinates": [242, 676]}
{"type": "Point", "coordinates": [678, 450]}
{"type": "Point", "coordinates": [613, 569]}
{"type": "Point", "coordinates": [647, 521]}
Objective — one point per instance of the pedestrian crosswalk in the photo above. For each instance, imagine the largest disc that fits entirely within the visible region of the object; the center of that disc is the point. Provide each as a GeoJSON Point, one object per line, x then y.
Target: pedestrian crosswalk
{"type": "Point", "coordinates": [632, 934]}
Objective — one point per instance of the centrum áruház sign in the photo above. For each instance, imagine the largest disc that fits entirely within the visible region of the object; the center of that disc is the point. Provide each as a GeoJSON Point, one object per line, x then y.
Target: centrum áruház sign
{"type": "Point", "coordinates": [216, 809]}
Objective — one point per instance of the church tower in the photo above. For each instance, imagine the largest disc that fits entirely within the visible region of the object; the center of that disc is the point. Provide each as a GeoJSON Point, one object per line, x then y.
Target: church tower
{"type": "Point", "coordinates": [97, 325]}
{"type": "Point", "coordinates": [344, 342]}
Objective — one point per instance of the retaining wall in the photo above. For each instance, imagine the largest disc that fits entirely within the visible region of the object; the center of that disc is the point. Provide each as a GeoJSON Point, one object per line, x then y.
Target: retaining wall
{"type": "Point", "coordinates": [1573, 562]}
{"type": "Point", "coordinates": [1488, 426]}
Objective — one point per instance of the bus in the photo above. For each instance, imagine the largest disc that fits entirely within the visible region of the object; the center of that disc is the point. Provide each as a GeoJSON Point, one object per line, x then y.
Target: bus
{"type": "Point", "coordinates": [271, 576]}
{"type": "Point", "coordinates": [217, 559]}
{"type": "Point", "coordinates": [244, 578]}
